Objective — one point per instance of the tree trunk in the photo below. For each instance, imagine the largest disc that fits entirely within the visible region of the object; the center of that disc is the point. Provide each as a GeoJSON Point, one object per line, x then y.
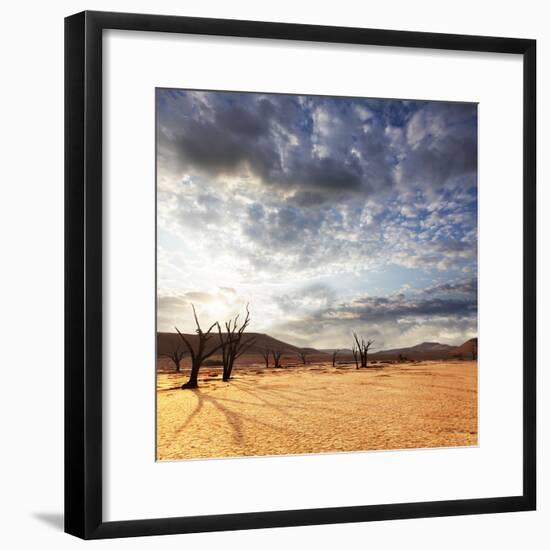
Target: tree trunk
{"type": "Point", "coordinates": [227, 372]}
{"type": "Point", "coordinates": [193, 378]}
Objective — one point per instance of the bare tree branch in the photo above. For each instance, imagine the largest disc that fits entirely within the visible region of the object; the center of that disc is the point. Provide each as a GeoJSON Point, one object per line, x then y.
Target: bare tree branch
{"type": "Point", "coordinates": [232, 343]}
{"type": "Point", "coordinates": [245, 347]}
{"type": "Point", "coordinates": [187, 343]}
{"type": "Point", "coordinates": [198, 355]}
{"type": "Point", "coordinates": [361, 350]}
{"type": "Point", "coordinates": [176, 356]}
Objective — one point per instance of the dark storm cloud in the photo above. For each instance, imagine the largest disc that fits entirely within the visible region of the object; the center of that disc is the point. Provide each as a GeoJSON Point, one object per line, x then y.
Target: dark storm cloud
{"type": "Point", "coordinates": [281, 143]}
{"type": "Point", "coordinates": [442, 144]}
{"type": "Point", "coordinates": [218, 133]}
{"type": "Point", "coordinates": [209, 147]}
{"type": "Point", "coordinates": [327, 174]}
{"type": "Point", "coordinates": [399, 307]}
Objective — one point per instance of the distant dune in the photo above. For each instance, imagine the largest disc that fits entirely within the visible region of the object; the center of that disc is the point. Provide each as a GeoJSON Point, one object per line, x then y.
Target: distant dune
{"type": "Point", "coordinates": [168, 341]}
{"type": "Point", "coordinates": [429, 351]}
{"type": "Point", "coordinates": [466, 349]}
{"type": "Point", "coordinates": [426, 350]}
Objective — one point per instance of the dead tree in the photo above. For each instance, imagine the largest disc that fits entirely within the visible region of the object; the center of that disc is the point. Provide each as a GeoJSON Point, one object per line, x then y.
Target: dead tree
{"type": "Point", "coordinates": [362, 350]}
{"type": "Point", "coordinates": [232, 343]}
{"type": "Point", "coordinates": [334, 354]}
{"type": "Point", "coordinates": [176, 355]}
{"type": "Point", "coordinates": [303, 353]}
{"type": "Point", "coordinates": [276, 358]}
{"type": "Point", "coordinates": [355, 352]}
{"type": "Point", "coordinates": [199, 354]}
{"type": "Point", "coordinates": [265, 353]}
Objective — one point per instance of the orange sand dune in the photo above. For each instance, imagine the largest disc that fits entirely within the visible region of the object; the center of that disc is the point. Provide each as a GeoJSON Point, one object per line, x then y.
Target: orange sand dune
{"type": "Point", "coordinates": [317, 409]}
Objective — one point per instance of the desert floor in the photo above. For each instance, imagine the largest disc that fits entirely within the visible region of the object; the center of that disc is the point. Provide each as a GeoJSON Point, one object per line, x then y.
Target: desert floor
{"type": "Point", "coordinates": [316, 409]}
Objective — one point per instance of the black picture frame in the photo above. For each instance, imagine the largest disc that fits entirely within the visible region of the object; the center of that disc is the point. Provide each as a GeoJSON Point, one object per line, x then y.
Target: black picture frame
{"type": "Point", "coordinates": [83, 274]}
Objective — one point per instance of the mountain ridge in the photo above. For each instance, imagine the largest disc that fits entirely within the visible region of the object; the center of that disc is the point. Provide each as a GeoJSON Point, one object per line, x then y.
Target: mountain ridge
{"type": "Point", "coordinates": [169, 341]}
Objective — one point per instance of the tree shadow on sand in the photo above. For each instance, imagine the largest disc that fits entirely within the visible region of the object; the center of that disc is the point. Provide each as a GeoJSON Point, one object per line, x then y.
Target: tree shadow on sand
{"type": "Point", "coordinates": [282, 400]}
{"type": "Point", "coordinates": [264, 400]}
{"type": "Point", "coordinates": [195, 411]}
{"type": "Point", "coordinates": [284, 395]}
{"type": "Point", "coordinates": [232, 419]}
{"type": "Point", "coordinates": [235, 420]}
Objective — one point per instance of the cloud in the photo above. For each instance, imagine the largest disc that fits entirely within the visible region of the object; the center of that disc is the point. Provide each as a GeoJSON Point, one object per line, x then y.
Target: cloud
{"type": "Point", "coordinates": [391, 320]}
{"type": "Point", "coordinates": [311, 298]}
{"type": "Point", "coordinates": [399, 308]}
{"type": "Point", "coordinates": [273, 195]}
{"type": "Point", "coordinates": [324, 148]}
{"type": "Point", "coordinates": [466, 287]}
{"type": "Point", "coordinates": [442, 140]}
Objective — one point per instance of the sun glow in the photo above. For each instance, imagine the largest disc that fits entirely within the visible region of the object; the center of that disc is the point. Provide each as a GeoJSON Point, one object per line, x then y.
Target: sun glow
{"type": "Point", "coordinates": [216, 310]}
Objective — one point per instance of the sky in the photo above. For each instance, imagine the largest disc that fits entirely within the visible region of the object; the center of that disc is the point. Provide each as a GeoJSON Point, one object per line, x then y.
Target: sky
{"type": "Point", "coordinates": [327, 215]}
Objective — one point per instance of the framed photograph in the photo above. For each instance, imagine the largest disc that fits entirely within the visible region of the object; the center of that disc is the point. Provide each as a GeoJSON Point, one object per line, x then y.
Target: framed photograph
{"type": "Point", "coordinates": [300, 275]}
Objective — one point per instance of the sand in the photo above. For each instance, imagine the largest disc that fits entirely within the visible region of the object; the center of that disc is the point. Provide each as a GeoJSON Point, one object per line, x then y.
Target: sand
{"type": "Point", "coordinates": [317, 409]}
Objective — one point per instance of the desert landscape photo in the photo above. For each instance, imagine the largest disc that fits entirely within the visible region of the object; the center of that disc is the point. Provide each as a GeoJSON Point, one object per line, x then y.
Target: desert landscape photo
{"type": "Point", "coordinates": [316, 274]}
